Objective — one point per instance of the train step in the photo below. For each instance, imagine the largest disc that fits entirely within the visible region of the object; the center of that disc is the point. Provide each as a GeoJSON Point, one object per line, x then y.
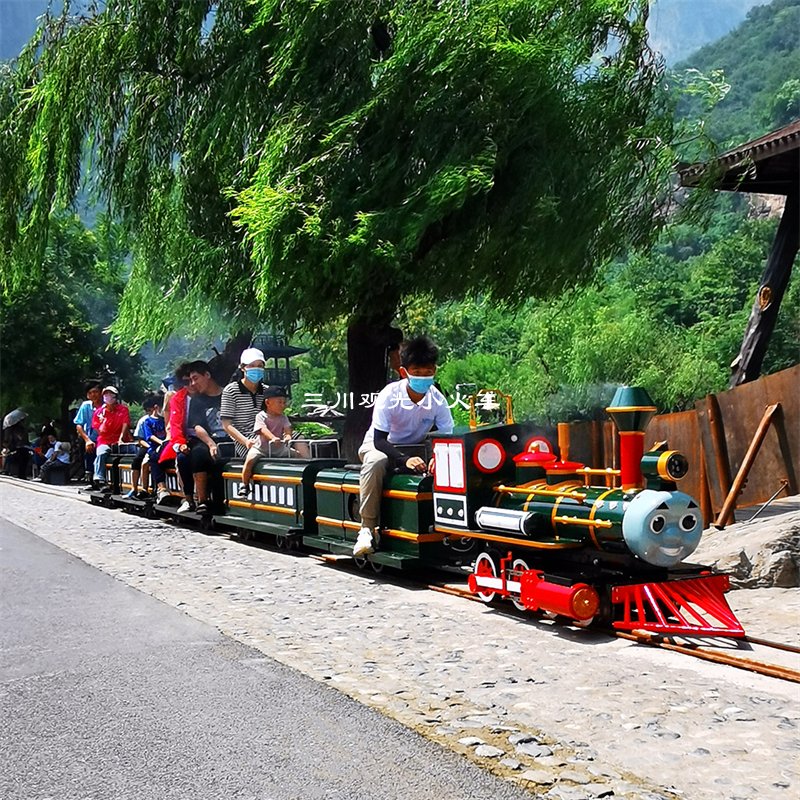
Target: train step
{"type": "Point", "coordinates": [345, 549]}
{"type": "Point", "coordinates": [243, 523]}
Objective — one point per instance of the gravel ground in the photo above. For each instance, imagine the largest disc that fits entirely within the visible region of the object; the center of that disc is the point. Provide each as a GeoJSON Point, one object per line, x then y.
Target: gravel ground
{"type": "Point", "coordinates": [569, 714]}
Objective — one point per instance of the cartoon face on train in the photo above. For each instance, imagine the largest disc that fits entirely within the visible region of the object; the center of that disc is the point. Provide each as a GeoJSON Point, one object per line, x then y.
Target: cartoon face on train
{"type": "Point", "coordinates": [662, 528]}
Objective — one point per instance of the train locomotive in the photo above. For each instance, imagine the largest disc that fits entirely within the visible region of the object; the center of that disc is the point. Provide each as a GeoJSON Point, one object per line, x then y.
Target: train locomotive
{"type": "Point", "coordinates": [523, 525]}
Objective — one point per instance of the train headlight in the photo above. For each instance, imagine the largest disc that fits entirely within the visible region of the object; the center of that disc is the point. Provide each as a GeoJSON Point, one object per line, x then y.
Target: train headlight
{"type": "Point", "coordinates": [669, 465]}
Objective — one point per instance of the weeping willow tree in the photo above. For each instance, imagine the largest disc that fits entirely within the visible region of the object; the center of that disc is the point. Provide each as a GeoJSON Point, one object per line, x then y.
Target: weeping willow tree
{"type": "Point", "coordinates": [313, 159]}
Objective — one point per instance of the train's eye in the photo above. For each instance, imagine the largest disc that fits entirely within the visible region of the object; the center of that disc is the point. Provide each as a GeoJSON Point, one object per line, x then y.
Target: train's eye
{"type": "Point", "coordinates": [688, 521]}
{"type": "Point", "coordinates": [657, 524]}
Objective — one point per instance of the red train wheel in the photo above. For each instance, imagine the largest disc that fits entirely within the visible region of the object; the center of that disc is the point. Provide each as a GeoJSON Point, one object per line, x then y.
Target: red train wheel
{"type": "Point", "coordinates": [486, 566]}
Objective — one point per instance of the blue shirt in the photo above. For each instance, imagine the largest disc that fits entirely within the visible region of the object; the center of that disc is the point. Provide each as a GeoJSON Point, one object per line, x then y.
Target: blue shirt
{"type": "Point", "coordinates": [153, 426]}
{"type": "Point", "coordinates": [84, 419]}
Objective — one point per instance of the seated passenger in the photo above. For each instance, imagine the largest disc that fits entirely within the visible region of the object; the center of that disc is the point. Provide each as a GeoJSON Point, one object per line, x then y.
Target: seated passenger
{"type": "Point", "coordinates": [138, 466]}
{"type": "Point", "coordinates": [154, 437]}
{"type": "Point", "coordinates": [405, 412]}
{"type": "Point", "coordinates": [274, 432]}
{"type": "Point", "coordinates": [243, 399]}
{"type": "Point", "coordinates": [57, 458]}
{"type": "Point", "coordinates": [111, 421]}
{"type": "Point", "coordinates": [176, 448]}
{"type": "Point", "coordinates": [205, 425]}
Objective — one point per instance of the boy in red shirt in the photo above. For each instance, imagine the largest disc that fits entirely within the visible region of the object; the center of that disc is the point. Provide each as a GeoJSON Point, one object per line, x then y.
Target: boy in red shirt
{"type": "Point", "coordinates": [112, 421]}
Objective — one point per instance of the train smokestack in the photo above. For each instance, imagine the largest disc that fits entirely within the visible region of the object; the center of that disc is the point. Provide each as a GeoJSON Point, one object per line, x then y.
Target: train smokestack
{"type": "Point", "coordinates": [631, 409]}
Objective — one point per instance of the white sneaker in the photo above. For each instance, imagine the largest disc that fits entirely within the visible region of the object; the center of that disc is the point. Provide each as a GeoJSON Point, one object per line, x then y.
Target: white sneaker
{"type": "Point", "coordinates": [363, 546]}
{"type": "Point", "coordinates": [186, 505]}
{"type": "Point", "coordinates": [162, 495]}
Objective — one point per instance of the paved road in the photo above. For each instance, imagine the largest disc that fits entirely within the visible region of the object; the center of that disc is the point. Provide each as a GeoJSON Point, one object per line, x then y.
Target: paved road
{"type": "Point", "coordinates": [570, 714]}
{"type": "Point", "coordinates": [109, 693]}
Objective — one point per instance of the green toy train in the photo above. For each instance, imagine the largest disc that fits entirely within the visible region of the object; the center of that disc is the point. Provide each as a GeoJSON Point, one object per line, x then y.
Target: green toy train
{"type": "Point", "coordinates": [505, 510]}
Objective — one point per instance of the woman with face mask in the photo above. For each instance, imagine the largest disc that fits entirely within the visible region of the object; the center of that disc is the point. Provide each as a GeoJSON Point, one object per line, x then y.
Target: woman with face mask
{"type": "Point", "coordinates": [112, 422]}
{"type": "Point", "coordinates": [243, 399]}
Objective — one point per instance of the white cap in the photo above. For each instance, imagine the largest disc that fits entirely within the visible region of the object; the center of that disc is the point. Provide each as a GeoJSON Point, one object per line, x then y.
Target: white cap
{"type": "Point", "coordinates": [250, 355]}
{"type": "Point", "coordinates": [111, 389]}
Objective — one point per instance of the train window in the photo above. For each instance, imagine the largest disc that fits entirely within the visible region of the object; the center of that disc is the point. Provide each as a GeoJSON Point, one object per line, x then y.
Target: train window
{"type": "Point", "coordinates": [289, 496]}
{"type": "Point", "coordinates": [273, 494]}
{"type": "Point", "coordinates": [449, 470]}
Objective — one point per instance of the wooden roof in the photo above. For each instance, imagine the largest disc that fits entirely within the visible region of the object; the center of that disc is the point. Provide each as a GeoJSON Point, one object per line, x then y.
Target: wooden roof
{"type": "Point", "coordinates": [767, 165]}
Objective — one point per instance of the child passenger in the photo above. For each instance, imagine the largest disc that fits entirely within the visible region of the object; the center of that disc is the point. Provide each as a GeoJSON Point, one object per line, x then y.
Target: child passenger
{"type": "Point", "coordinates": [274, 433]}
{"type": "Point", "coordinates": [153, 435]}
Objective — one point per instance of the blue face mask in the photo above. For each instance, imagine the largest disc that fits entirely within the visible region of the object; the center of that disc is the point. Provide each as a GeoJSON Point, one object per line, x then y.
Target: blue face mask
{"type": "Point", "coordinates": [418, 384]}
{"type": "Point", "coordinates": [254, 374]}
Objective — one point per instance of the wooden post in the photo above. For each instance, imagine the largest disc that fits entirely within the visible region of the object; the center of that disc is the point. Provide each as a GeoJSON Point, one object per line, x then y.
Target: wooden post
{"type": "Point", "coordinates": [750, 456]}
{"type": "Point", "coordinates": [705, 492]}
{"type": "Point", "coordinates": [714, 416]}
{"type": "Point", "coordinates": [747, 365]}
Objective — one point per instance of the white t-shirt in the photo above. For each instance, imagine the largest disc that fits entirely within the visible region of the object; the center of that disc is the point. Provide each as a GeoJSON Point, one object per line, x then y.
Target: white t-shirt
{"type": "Point", "coordinates": [405, 421]}
{"type": "Point", "coordinates": [61, 451]}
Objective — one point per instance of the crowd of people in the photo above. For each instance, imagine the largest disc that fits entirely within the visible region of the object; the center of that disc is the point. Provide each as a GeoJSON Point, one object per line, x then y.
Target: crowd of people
{"type": "Point", "coordinates": [192, 423]}
{"type": "Point", "coordinates": [196, 425]}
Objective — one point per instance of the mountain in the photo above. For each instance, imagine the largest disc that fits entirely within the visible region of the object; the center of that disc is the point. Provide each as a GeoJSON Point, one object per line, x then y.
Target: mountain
{"type": "Point", "coordinates": [760, 60]}
{"type": "Point", "coordinates": [679, 27]}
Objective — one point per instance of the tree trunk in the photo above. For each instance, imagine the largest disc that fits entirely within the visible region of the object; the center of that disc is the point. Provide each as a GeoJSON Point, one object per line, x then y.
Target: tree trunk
{"type": "Point", "coordinates": [224, 365]}
{"type": "Point", "coordinates": [367, 342]}
{"type": "Point", "coordinates": [747, 365]}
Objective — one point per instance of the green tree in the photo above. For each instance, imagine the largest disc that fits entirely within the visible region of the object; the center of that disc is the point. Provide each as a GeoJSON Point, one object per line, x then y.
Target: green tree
{"type": "Point", "coordinates": [53, 326]}
{"type": "Point", "coordinates": [314, 159]}
{"type": "Point", "coordinates": [760, 61]}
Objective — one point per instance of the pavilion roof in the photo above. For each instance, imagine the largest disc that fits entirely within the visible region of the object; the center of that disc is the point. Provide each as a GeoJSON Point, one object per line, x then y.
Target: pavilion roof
{"type": "Point", "coordinates": [767, 165]}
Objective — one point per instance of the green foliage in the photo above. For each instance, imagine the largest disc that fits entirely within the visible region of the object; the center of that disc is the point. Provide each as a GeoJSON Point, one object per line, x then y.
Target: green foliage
{"type": "Point", "coordinates": [52, 325]}
{"type": "Point", "coordinates": [489, 145]}
{"type": "Point", "coordinates": [310, 160]}
{"type": "Point", "coordinates": [785, 105]}
{"type": "Point", "coordinates": [670, 324]}
{"type": "Point", "coordinates": [313, 430]}
{"type": "Point", "coordinates": [670, 320]}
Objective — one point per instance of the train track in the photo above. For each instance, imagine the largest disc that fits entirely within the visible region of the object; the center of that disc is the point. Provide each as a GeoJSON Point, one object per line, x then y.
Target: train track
{"type": "Point", "coordinates": [720, 657]}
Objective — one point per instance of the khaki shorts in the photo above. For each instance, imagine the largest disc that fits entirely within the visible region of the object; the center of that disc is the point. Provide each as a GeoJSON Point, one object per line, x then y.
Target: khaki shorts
{"type": "Point", "coordinates": [278, 450]}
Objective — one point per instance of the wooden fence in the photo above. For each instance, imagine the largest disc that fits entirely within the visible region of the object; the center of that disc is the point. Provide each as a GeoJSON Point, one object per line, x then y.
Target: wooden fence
{"type": "Point", "coordinates": [718, 437]}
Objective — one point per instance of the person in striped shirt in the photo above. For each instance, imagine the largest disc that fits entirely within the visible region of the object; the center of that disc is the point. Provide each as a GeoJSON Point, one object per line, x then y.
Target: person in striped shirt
{"type": "Point", "coordinates": [242, 400]}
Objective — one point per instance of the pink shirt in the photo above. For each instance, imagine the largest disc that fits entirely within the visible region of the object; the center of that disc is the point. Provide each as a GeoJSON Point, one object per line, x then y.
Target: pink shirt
{"type": "Point", "coordinates": [277, 426]}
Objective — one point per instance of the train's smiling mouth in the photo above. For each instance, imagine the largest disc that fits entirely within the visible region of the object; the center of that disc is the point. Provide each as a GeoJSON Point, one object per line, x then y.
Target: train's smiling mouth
{"type": "Point", "coordinates": [670, 551]}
